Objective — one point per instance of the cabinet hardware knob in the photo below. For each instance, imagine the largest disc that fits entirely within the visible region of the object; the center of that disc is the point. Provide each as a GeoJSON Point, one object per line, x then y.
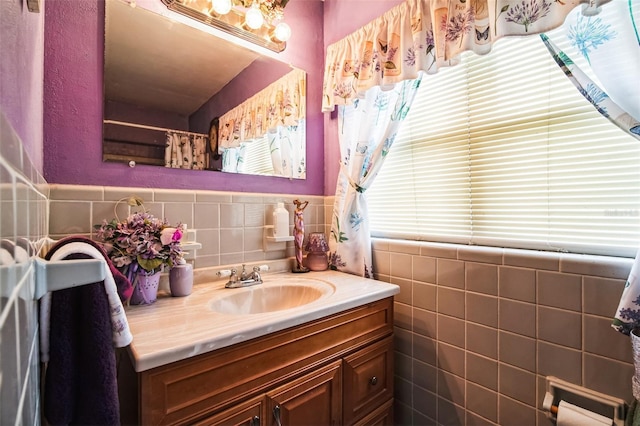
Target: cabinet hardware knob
{"type": "Point", "coordinates": [373, 381]}
{"type": "Point", "coordinates": [255, 421]}
{"type": "Point", "coordinates": [276, 415]}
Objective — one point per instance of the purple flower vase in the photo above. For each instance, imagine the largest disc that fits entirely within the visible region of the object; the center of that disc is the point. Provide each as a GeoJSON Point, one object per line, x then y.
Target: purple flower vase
{"type": "Point", "coordinates": [145, 288]}
{"type": "Point", "coordinates": [181, 280]}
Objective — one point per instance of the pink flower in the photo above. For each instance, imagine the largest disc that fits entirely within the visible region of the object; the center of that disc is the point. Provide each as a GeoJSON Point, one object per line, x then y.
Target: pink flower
{"type": "Point", "coordinates": [167, 235]}
{"type": "Point", "coordinates": [141, 241]}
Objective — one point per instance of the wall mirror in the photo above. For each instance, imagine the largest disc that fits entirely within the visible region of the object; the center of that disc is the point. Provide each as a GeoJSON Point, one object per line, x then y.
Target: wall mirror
{"type": "Point", "coordinates": [161, 76]}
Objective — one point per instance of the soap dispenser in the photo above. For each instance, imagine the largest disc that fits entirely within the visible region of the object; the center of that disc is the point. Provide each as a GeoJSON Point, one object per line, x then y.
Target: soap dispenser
{"type": "Point", "coordinates": [280, 221]}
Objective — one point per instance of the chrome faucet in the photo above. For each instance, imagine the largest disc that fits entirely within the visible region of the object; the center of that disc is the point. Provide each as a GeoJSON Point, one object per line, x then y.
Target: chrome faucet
{"type": "Point", "coordinates": [245, 278]}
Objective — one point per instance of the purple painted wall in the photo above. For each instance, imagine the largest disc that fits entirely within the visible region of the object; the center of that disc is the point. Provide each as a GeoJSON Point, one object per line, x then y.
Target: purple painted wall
{"type": "Point", "coordinates": [73, 100]}
{"type": "Point", "coordinates": [254, 78]}
{"type": "Point", "coordinates": [121, 111]}
{"type": "Point", "coordinates": [21, 74]}
{"type": "Point", "coordinates": [341, 18]}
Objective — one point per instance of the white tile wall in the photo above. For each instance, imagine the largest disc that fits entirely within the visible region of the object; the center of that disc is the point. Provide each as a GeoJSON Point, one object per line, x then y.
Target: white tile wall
{"type": "Point", "coordinates": [230, 226]}
{"type": "Point", "coordinates": [23, 227]}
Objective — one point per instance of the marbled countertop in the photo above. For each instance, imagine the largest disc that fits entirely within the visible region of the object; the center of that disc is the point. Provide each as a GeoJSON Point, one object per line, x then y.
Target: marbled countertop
{"type": "Point", "coordinates": [176, 328]}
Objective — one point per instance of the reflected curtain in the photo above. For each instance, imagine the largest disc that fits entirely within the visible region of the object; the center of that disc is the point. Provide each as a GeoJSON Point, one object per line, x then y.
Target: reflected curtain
{"type": "Point", "coordinates": [185, 150]}
{"type": "Point", "coordinates": [287, 147]}
{"type": "Point", "coordinates": [417, 36]}
{"type": "Point", "coordinates": [279, 110]}
{"type": "Point", "coordinates": [233, 159]}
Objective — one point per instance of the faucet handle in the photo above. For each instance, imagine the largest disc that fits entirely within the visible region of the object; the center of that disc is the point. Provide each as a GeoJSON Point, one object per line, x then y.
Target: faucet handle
{"type": "Point", "coordinates": [224, 273]}
{"type": "Point", "coordinates": [234, 275]}
{"type": "Point", "coordinates": [261, 268]}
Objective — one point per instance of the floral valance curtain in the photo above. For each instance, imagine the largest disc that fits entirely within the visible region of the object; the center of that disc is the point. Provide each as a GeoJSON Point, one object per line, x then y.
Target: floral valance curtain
{"type": "Point", "coordinates": [283, 103]}
{"type": "Point", "coordinates": [425, 35]}
{"type": "Point", "coordinates": [415, 37]}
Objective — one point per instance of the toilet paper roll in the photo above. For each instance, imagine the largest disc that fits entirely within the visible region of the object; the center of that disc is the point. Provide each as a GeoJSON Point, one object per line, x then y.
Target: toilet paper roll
{"type": "Point", "coordinates": [572, 415]}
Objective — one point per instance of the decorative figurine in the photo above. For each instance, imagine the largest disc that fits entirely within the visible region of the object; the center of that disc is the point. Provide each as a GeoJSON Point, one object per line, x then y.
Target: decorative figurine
{"type": "Point", "coordinates": [298, 234]}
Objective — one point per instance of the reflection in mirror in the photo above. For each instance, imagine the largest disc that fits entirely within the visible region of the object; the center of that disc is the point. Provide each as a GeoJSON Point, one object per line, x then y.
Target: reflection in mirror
{"type": "Point", "coordinates": [277, 114]}
{"type": "Point", "coordinates": [163, 76]}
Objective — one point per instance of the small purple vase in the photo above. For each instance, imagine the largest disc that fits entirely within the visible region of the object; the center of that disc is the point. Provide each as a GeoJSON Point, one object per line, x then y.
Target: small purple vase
{"type": "Point", "coordinates": [181, 280]}
{"type": "Point", "coordinates": [145, 288]}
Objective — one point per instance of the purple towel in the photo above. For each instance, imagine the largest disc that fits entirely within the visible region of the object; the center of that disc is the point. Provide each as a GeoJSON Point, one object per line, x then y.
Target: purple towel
{"type": "Point", "coordinates": [81, 378]}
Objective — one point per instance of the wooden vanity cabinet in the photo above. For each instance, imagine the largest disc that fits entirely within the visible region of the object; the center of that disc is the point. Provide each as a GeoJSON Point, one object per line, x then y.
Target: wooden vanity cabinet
{"type": "Point", "coordinates": [248, 413]}
{"type": "Point", "coordinates": [336, 370]}
{"type": "Point", "coordinates": [315, 398]}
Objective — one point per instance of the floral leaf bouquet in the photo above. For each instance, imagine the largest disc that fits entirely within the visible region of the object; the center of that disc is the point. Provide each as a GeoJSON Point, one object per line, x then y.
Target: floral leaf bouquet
{"type": "Point", "coordinates": [141, 245]}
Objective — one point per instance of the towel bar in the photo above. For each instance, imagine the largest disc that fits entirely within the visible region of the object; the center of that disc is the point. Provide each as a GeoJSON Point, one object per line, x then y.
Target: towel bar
{"type": "Point", "coordinates": [61, 274]}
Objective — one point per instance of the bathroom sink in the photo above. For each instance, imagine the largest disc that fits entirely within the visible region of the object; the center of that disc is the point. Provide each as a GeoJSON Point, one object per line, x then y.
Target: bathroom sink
{"type": "Point", "coordinates": [270, 297]}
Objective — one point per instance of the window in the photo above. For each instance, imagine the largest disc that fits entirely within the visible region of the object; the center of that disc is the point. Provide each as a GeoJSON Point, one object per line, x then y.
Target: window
{"type": "Point", "coordinates": [258, 157]}
{"type": "Point", "coordinates": [502, 150]}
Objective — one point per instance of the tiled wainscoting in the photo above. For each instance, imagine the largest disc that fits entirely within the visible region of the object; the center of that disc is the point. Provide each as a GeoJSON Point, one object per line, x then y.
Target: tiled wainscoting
{"type": "Point", "coordinates": [23, 228]}
{"type": "Point", "coordinates": [230, 226]}
{"type": "Point", "coordinates": [479, 329]}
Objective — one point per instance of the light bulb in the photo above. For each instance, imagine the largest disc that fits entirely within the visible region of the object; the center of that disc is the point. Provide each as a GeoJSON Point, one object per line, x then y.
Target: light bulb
{"type": "Point", "coordinates": [254, 18]}
{"type": "Point", "coordinates": [282, 31]}
{"type": "Point", "coordinates": [221, 7]}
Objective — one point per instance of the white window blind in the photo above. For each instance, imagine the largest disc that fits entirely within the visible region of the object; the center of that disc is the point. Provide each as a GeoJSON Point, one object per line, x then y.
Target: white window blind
{"type": "Point", "coordinates": [258, 157]}
{"type": "Point", "coordinates": [502, 150]}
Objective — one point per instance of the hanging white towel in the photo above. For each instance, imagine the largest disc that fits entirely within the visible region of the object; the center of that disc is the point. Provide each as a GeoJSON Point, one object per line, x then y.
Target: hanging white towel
{"type": "Point", "coordinates": [121, 333]}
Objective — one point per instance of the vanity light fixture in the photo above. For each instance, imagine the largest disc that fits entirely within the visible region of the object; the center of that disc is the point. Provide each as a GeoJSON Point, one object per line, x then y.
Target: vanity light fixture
{"type": "Point", "coordinates": [221, 7]}
{"type": "Point", "coordinates": [253, 18]}
{"type": "Point", "coordinates": [282, 32]}
{"type": "Point", "coordinates": [258, 21]}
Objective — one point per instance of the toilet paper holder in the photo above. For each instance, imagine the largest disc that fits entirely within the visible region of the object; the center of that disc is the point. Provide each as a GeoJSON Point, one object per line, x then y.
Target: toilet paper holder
{"type": "Point", "coordinates": [606, 405]}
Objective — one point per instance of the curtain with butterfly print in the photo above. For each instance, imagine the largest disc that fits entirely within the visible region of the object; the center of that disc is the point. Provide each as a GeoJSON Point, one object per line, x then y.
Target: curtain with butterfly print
{"type": "Point", "coordinates": [426, 35]}
{"type": "Point", "coordinates": [367, 130]}
{"type": "Point", "coordinates": [185, 150]}
{"type": "Point", "coordinates": [415, 37]}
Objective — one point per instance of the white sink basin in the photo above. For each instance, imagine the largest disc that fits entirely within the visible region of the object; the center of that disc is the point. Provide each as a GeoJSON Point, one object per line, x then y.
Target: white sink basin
{"type": "Point", "coordinates": [267, 297]}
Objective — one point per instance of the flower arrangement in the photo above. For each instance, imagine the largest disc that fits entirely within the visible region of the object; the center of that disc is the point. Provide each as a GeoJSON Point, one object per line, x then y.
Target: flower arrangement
{"type": "Point", "coordinates": [141, 241]}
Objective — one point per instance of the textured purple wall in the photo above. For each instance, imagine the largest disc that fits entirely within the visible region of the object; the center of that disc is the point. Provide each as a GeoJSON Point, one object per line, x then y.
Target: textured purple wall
{"type": "Point", "coordinates": [341, 18]}
{"type": "Point", "coordinates": [250, 81]}
{"type": "Point", "coordinates": [121, 111]}
{"type": "Point", "coordinates": [73, 101]}
{"type": "Point", "coordinates": [21, 74]}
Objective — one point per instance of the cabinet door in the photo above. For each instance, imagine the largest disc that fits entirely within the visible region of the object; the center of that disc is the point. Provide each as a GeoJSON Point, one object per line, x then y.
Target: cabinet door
{"type": "Point", "coordinates": [368, 380]}
{"type": "Point", "coordinates": [249, 413]}
{"type": "Point", "coordinates": [313, 399]}
{"type": "Point", "coordinates": [382, 416]}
